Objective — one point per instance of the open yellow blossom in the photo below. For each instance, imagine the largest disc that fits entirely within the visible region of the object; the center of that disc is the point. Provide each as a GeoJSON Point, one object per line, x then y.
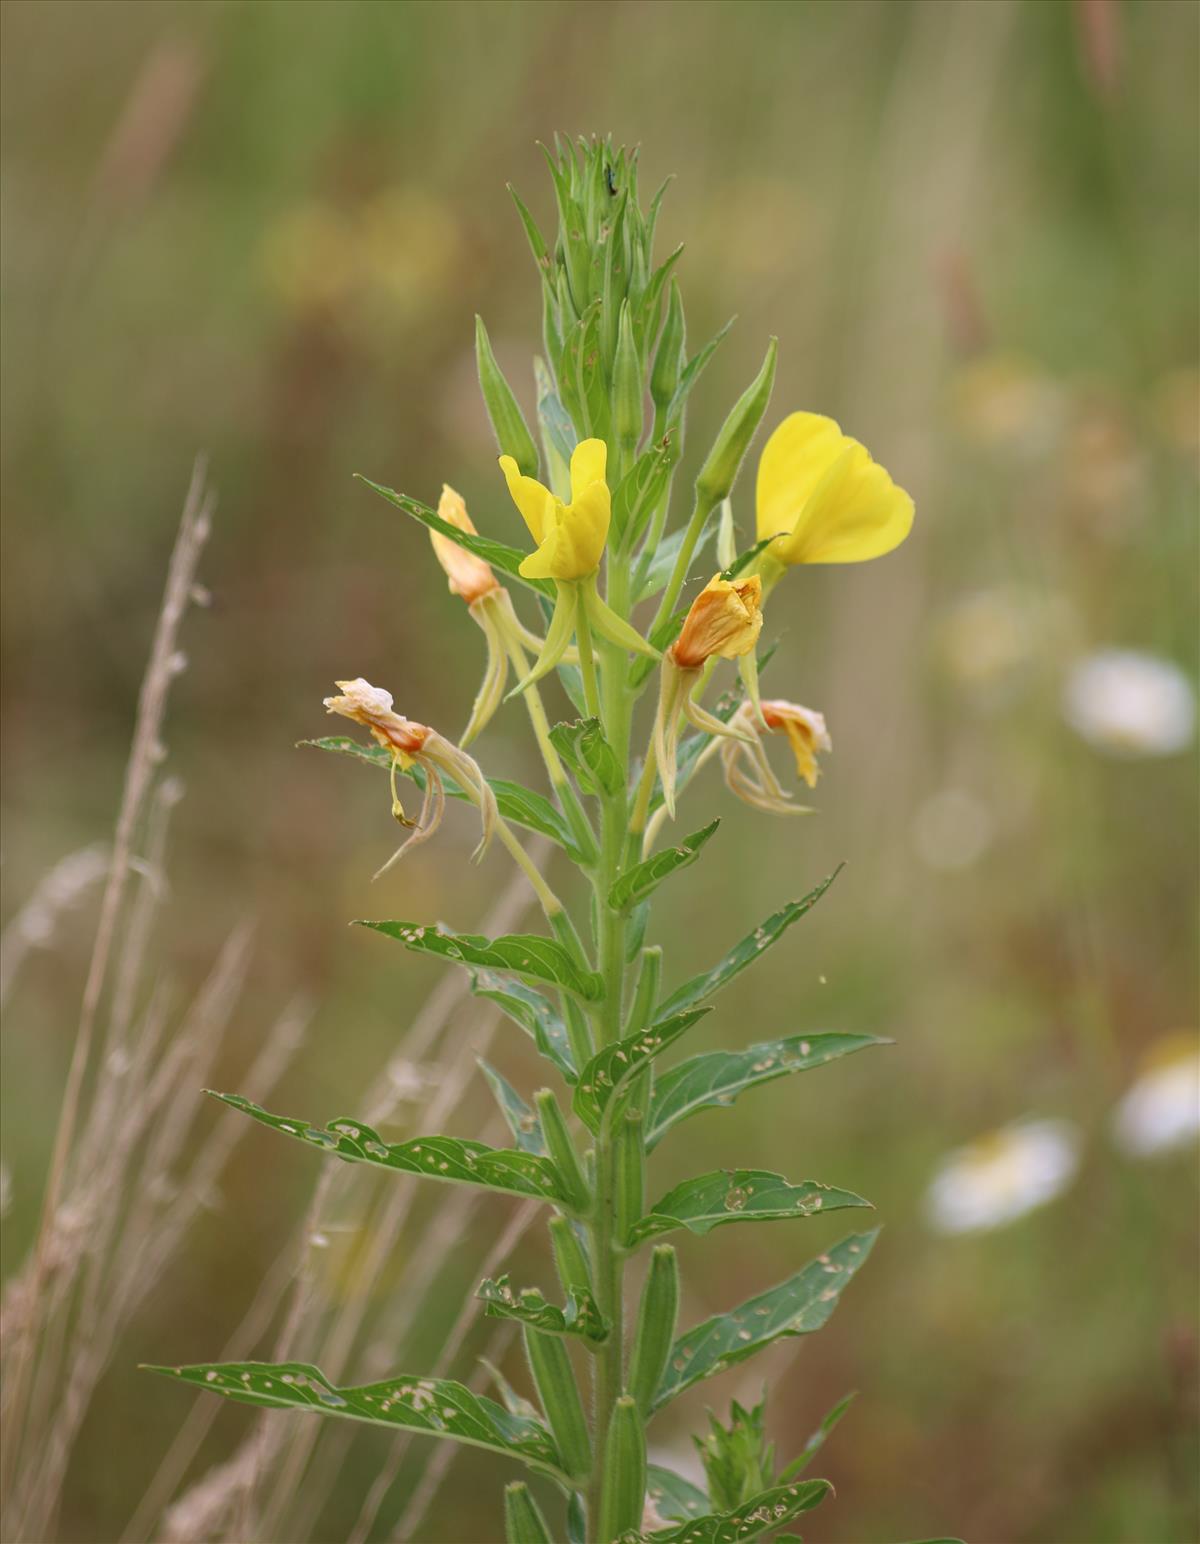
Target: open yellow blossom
{"type": "Point", "coordinates": [570, 537]}
{"type": "Point", "coordinates": [412, 744]}
{"type": "Point", "coordinates": [748, 773]}
{"type": "Point", "coordinates": [725, 619]}
{"type": "Point", "coordinates": [824, 498]}
{"type": "Point", "coordinates": [469, 576]}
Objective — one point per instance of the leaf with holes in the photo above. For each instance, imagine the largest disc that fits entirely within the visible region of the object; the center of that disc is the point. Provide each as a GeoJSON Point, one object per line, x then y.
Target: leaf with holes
{"type": "Point", "coordinates": [507, 559]}
{"type": "Point", "coordinates": [644, 878]}
{"type": "Point", "coordinates": [434, 1407]}
{"type": "Point", "coordinates": [525, 954]}
{"type": "Point", "coordinates": [746, 952]}
{"type": "Point", "coordinates": [738, 1195]}
{"type": "Point", "coordinates": [519, 805]}
{"type": "Point", "coordinates": [611, 1069]}
{"type": "Point", "coordinates": [521, 1120]}
{"type": "Point", "coordinates": [716, 1078]}
{"type": "Point", "coordinates": [589, 755]}
{"type": "Point", "coordinates": [580, 1317]}
{"type": "Point", "coordinates": [532, 1012]}
{"type": "Point", "coordinates": [674, 1498]}
{"type": "Point", "coordinates": [453, 1160]}
{"type": "Point", "coordinates": [768, 1510]}
{"type": "Point", "coordinates": [798, 1306]}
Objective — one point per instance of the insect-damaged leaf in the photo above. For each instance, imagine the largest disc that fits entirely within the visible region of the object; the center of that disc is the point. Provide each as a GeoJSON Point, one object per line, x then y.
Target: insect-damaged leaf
{"type": "Point", "coordinates": [589, 755]}
{"type": "Point", "coordinates": [521, 1120]}
{"type": "Point", "coordinates": [738, 1195]}
{"type": "Point", "coordinates": [768, 1510]}
{"type": "Point", "coordinates": [525, 954]}
{"type": "Point", "coordinates": [675, 1499]}
{"type": "Point", "coordinates": [580, 1317]}
{"type": "Point", "coordinates": [610, 1069]}
{"type": "Point", "coordinates": [532, 1012]}
{"type": "Point", "coordinates": [644, 878]}
{"type": "Point", "coordinates": [798, 1306]}
{"type": "Point", "coordinates": [453, 1160]}
{"type": "Point", "coordinates": [436, 1407]}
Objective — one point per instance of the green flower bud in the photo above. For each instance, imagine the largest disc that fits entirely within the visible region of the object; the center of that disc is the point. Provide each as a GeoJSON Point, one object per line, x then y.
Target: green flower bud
{"type": "Point", "coordinates": [719, 472]}
{"type": "Point", "coordinates": [559, 1395]}
{"type": "Point", "coordinates": [646, 993]}
{"type": "Point", "coordinates": [569, 1258]}
{"type": "Point", "coordinates": [523, 1521]}
{"type": "Point", "coordinates": [623, 1493]}
{"type": "Point", "coordinates": [668, 357]}
{"type": "Point", "coordinates": [627, 387]}
{"type": "Point", "coordinates": [508, 424]}
{"type": "Point", "coordinates": [629, 1175]}
{"type": "Point", "coordinates": [655, 1327]}
{"type": "Point", "coordinates": [562, 1151]}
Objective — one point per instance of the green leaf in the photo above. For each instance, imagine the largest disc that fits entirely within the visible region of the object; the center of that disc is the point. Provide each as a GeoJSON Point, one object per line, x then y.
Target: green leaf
{"type": "Point", "coordinates": [521, 1120]}
{"type": "Point", "coordinates": [743, 561]}
{"type": "Point", "coordinates": [589, 755]}
{"type": "Point", "coordinates": [580, 1317]}
{"type": "Point", "coordinates": [453, 1160]}
{"type": "Point", "coordinates": [818, 1439]}
{"type": "Point", "coordinates": [762, 1513]}
{"type": "Point", "coordinates": [532, 1012]}
{"type": "Point", "coordinates": [436, 1407]}
{"type": "Point", "coordinates": [497, 553]}
{"type": "Point", "coordinates": [519, 805]}
{"type": "Point", "coordinates": [798, 1306]}
{"type": "Point", "coordinates": [645, 877]}
{"type": "Point", "coordinates": [675, 1499]}
{"type": "Point", "coordinates": [661, 562]}
{"type": "Point", "coordinates": [738, 1195]}
{"type": "Point", "coordinates": [641, 489]}
{"type": "Point", "coordinates": [692, 371]}
{"type": "Point", "coordinates": [716, 1078]}
{"type": "Point", "coordinates": [525, 954]}
{"type": "Point", "coordinates": [611, 1069]}
{"type": "Point", "coordinates": [746, 952]}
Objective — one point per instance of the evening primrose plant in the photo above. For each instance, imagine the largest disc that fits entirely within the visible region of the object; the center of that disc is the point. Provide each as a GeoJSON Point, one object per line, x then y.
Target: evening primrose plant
{"type": "Point", "coordinates": [640, 708]}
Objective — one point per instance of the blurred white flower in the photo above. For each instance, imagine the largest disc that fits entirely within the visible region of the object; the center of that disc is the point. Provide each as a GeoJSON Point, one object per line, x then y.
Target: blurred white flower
{"type": "Point", "coordinates": [1162, 1109]}
{"type": "Point", "coordinates": [1130, 704]}
{"type": "Point", "coordinates": [1002, 1175]}
{"type": "Point", "coordinates": [952, 829]}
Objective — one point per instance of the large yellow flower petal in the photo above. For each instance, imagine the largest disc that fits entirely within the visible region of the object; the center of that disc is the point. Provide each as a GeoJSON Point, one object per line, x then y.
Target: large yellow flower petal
{"type": "Point", "coordinates": [534, 501]}
{"type": "Point", "coordinates": [574, 538]}
{"type": "Point", "coordinates": [589, 461]}
{"type": "Point", "coordinates": [822, 487]}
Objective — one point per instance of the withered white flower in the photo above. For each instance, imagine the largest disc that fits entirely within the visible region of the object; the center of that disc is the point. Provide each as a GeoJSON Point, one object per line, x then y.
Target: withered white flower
{"type": "Point", "coordinates": [1002, 1175]}
{"type": "Point", "coordinates": [412, 744]}
{"type": "Point", "coordinates": [748, 772]}
{"type": "Point", "coordinates": [1130, 704]}
{"type": "Point", "coordinates": [1161, 1112]}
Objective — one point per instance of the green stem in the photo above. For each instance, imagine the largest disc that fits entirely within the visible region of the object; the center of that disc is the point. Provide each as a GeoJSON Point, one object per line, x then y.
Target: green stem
{"type": "Point", "coordinates": [568, 801]}
{"type": "Point", "coordinates": [704, 507]}
{"type": "Point", "coordinates": [587, 664]}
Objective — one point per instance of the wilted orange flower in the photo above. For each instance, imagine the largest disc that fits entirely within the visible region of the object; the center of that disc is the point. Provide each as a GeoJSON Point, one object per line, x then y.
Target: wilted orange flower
{"type": "Point", "coordinates": [748, 773]}
{"type": "Point", "coordinates": [725, 620]}
{"type": "Point", "coordinates": [469, 576]}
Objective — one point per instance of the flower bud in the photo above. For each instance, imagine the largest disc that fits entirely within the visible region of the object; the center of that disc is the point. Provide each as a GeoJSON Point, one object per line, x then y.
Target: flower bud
{"type": "Point", "coordinates": [469, 576]}
{"type": "Point", "coordinates": [523, 1521]}
{"type": "Point", "coordinates": [719, 472]}
{"type": "Point", "coordinates": [655, 1327]}
{"type": "Point", "coordinates": [623, 1493]}
{"type": "Point", "coordinates": [559, 1395]}
{"type": "Point", "coordinates": [668, 357]}
{"type": "Point", "coordinates": [629, 1175]}
{"type": "Point", "coordinates": [562, 1151]}
{"type": "Point", "coordinates": [569, 1258]}
{"type": "Point", "coordinates": [725, 619]}
{"type": "Point", "coordinates": [627, 387]}
{"type": "Point", "coordinates": [508, 424]}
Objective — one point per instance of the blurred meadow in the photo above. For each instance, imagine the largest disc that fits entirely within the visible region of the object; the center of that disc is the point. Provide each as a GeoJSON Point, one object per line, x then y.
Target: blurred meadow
{"type": "Point", "coordinates": [262, 231]}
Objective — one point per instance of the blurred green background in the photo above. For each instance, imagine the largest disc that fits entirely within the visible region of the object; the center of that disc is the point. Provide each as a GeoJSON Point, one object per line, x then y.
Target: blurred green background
{"type": "Point", "coordinates": [263, 230]}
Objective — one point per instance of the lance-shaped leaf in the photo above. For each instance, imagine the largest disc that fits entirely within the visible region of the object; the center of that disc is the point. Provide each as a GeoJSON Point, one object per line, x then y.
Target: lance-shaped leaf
{"type": "Point", "coordinates": [454, 1160]}
{"type": "Point", "coordinates": [692, 371]}
{"type": "Point", "coordinates": [519, 805]}
{"type": "Point", "coordinates": [818, 1439]}
{"type": "Point", "coordinates": [744, 559]}
{"type": "Point", "coordinates": [525, 954]}
{"type": "Point", "coordinates": [716, 1078]}
{"type": "Point", "coordinates": [580, 1317]}
{"type": "Point", "coordinates": [768, 1510]}
{"type": "Point", "coordinates": [611, 1069]}
{"type": "Point", "coordinates": [738, 1195]}
{"type": "Point", "coordinates": [746, 952]}
{"type": "Point", "coordinates": [532, 1012]}
{"type": "Point", "coordinates": [674, 1498]}
{"type": "Point", "coordinates": [436, 1407]}
{"type": "Point", "coordinates": [589, 755]}
{"type": "Point", "coordinates": [644, 878]}
{"type": "Point", "coordinates": [798, 1306]}
{"type": "Point", "coordinates": [521, 1120]}
{"type": "Point", "coordinates": [499, 554]}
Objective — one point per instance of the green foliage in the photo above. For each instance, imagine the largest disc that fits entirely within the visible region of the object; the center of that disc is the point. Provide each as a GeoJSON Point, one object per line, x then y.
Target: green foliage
{"type": "Point", "coordinates": [760, 1514]}
{"type": "Point", "coordinates": [738, 1195]}
{"type": "Point", "coordinates": [738, 1460]}
{"type": "Point", "coordinates": [640, 882]}
{"type": "Point", "coordinates": [524, 954]}
{"type": "Point", "coordinates": [580, 1316]}
{"type": "Point", "coordinates": [529, 1009]}
{"type": "Point", "coordinates": [589, 755]}
{"type": "Point", "coordinates": [611, 1069]}
{"type": "Point", "coordinates": [523, 1521]}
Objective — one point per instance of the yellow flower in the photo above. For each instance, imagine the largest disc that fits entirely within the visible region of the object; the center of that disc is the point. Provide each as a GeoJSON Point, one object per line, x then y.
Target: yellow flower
{"type": "Point", "coordinates": [570, 537]}
{"type": "Point", "coordinates": [748, 773]}
{"type": "Point", "coordinates": [806, 734]}
{"type": "Point", "coordinates": [725, 619]}
{"type": "Point", "coordinates": [469, 576]}
{"type": "Point", "coordinates": [820, 492]}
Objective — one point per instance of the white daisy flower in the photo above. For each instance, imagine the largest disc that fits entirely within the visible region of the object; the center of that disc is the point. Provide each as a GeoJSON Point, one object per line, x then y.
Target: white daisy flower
{"type": "Point", "coordinates": [1130, 704]}
{"type": "Point", "coordinates": [1161, 1112]}
{"type": "Point", "coordinates": [1002, 1175]}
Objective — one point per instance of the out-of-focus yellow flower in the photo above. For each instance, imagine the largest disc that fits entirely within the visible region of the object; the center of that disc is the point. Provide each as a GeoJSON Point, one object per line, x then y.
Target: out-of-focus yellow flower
{"type": "Point", "coordinates": [469, 576]}
{"type": "Point", "coordinates": [748, 773]}
{"type": "Point", "coordinates": [412, 744]}
{"type": "Point", "coordinates": [725, 619]}
{"type": "Point", "coordinates": [805, 731]}
{"type": "Point", "coordinates": [824, 498]}
{"type": "Point", "coordinates": [570, 537]}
